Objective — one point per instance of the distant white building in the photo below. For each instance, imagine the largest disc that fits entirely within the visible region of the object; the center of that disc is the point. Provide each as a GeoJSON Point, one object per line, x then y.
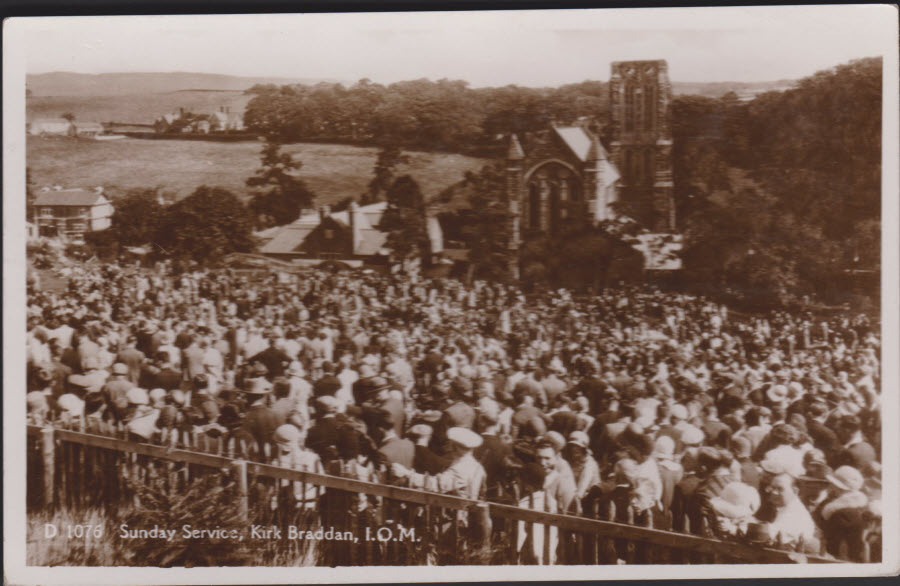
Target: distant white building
{"type": "Point", "coordinates": [70, 213]}
{"type": "Point", "coordinates": [54, 126]}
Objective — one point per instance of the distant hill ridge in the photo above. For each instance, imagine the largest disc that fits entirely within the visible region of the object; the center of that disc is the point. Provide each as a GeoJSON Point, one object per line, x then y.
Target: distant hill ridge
{"type": "Point", "coordinates": [62, 83]}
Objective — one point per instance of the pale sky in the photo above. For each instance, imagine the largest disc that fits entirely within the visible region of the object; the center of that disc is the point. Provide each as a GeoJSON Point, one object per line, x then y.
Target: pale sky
{"type": "Point", "coordinates": [533, 48]}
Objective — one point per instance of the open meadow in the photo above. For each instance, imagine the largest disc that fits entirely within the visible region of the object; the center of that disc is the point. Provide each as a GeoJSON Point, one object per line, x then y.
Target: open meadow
{"type": "Point", "coordinates": [332, 171]}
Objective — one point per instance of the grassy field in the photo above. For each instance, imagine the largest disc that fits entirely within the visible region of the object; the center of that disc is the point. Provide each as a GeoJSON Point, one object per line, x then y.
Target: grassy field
{"type": "Point", "coordinates": [133, 109]}
{"type": "Point", "coordinates": [331, 171]}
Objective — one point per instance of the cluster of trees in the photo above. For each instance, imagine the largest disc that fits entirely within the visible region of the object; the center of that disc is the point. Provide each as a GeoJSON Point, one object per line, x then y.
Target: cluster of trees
{"type": "Point", "coordinates": [433, 115]}
{"type": "Point", "coordinates": [780, 196]}
{"type": "Point", "coordinates": [204, 226]}
{"type": "Point", "coordinates": [776, 197]}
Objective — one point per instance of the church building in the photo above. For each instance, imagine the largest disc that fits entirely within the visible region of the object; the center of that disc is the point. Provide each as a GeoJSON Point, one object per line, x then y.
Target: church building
{"type": "Point", "coordinates": [564, 177]}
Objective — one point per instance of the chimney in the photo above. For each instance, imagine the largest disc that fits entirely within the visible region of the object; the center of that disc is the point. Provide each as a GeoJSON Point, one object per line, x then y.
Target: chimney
{"type": "Point", "coordinates": [324, 212]}
{"type": "Point", "coordinates": [181, 112]}
{"type": "Point", "coordinates": [355, 230]}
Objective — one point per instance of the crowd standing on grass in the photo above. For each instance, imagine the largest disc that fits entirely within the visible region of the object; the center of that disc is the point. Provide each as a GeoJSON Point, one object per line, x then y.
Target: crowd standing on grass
{"type": "Point", "coordinates": [634, 405]}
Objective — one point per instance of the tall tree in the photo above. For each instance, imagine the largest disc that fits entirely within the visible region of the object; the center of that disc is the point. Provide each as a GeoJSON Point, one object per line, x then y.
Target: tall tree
{"type": "Point", "coordinates": [206, 225]}
{"type": "Point", "coordinates": [280, 194]}
{"type": "Point", "coordinates": [389, 158]}
{"type": "Point", "coordinates": [488, 229]}
{"type": "Point", "coordinates": [405, 222]}
{"type": "Point", "coordinates": [137, 217]}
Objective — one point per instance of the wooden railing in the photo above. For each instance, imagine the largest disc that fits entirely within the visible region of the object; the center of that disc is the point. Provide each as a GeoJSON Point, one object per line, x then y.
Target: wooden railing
{"type": "Point", "coordinates": [70, 468]}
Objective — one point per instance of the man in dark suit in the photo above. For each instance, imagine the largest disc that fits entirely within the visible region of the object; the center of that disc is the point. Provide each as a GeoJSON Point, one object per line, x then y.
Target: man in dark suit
{"type": "Point", "coordinates": [260, 422]}
{"type": "Point", "coordinates": [426, 461]}
{"type": "Point", "coordinates": [274, 358]}
{"type": "Point", "coordinates": [167, 377]}
{"type": "Point", "coordinates": [393, 449]}
{"type": "Point", "coordinates": [822, 435]}
{"type": "Point", "coordinates": [324, 433]}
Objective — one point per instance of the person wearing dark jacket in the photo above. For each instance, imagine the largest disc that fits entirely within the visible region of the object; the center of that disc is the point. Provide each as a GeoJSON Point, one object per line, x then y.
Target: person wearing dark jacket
{"type": "Point", "coordinates": [260, 422]}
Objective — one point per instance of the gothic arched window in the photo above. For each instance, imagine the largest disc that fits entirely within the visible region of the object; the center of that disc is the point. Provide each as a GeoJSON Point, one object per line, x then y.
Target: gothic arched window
{"type": "Point", "coordinates": [534, 206]}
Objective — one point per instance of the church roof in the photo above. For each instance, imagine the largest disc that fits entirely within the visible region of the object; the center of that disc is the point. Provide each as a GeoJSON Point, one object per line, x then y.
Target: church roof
{"type": "Point", "coordinates": [580, 142]}
{"type": "Point", "coordinates": [515, 149]}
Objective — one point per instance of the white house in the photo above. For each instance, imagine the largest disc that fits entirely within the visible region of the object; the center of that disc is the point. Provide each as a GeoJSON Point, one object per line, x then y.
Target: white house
{"type": "Point", "coordinates": [70, 213]}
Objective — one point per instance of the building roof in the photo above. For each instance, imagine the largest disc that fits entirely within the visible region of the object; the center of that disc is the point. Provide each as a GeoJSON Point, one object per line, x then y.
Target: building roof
{"type": "Point", "coordinates": [69, 197]}
{"type": "Point", "coordinates": [372, 241]}
{"type": "Point", "coordinates": [515, 152]}
{"type": "Point", "coordinates": [290, 238]}
{"type": "Point", "coordinates": [287, 240]}
{"type": "Point", "coordinates": [580, 141]}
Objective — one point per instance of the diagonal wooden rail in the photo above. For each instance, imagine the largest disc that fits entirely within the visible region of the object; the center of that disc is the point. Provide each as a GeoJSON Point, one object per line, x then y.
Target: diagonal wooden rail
{"type": "Point", "coordinates": [563, 522]}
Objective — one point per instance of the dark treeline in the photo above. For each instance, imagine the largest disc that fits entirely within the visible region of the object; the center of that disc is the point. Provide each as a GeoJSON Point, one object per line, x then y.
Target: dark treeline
{"type": "Point", "coordinates": [444, 115]}
{"type": "Point", "coordinates": [780, 196]}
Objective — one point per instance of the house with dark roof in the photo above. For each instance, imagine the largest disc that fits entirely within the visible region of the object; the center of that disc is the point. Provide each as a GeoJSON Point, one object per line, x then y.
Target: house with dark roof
{"type": "Point", "coordinates": [351, 236]}
{"type": "Point", "coordinates": [70, 213]}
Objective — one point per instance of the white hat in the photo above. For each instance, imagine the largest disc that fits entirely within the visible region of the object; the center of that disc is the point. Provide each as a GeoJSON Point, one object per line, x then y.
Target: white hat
{"type": "Point", "coordinates": [137, 396]}
{"type": "Point", "coordinates": [784, 460]}
{"type": "Point", "coordinates": [120, 368]}
{"type": "Point", "coordinates": [679, 411]}
{"type": "Point", "coordinates": [157, 395]}
{"type": "Point", "coordinates": [286, 434]}
{"type": "Point", "coordinates": [327, 403]}
{"type": "Point", "coordinates": [579, 438]}
{"type": "Point", "coordinates": [664, 448]}
{"type": "Point", "coordinates": [777, 393]}
{"type": "Point", "coordinates": [847, 478]}
{"type": "Point", "coordinates": [71, 403]}
{"type": "Point", "coordinates": [692, 435]}
{"type": "Point", "coordinates": [464, 437]}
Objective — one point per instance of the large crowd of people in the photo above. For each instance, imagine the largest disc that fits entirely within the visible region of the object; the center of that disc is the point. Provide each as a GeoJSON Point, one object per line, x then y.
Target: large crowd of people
{"type": "Point", "coordinates": [634, 405]}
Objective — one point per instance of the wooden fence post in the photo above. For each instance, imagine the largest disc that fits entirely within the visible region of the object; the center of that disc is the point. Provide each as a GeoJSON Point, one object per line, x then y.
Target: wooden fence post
{"type": "Point", "coordinates": [48, 451]}
{"type": "Point", "coordinates": [240, 470]}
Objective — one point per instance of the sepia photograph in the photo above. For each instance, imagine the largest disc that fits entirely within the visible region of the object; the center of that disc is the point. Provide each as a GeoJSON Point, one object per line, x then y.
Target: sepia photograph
{"type": "Point", "coordinates": [471, 293]}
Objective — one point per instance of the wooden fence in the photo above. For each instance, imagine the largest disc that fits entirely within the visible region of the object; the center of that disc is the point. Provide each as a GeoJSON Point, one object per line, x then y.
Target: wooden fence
{"type": "Point", "coordinates": [71, 468]}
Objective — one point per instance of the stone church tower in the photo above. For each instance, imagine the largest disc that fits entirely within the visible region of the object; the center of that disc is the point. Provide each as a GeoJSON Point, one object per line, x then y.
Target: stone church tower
{"type": "Point", "coordinates": [641, 141]}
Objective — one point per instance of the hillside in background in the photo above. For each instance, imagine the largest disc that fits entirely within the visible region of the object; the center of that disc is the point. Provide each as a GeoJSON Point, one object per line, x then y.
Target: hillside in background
{"type": "Point", "coordinates": [332, 172]}
{"type": "Point", "coordinates": [134, 109]}
{"type": "Point", "coordinates": [63, 83]}
{"type": "Point", "coordinates": [140, 98]}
